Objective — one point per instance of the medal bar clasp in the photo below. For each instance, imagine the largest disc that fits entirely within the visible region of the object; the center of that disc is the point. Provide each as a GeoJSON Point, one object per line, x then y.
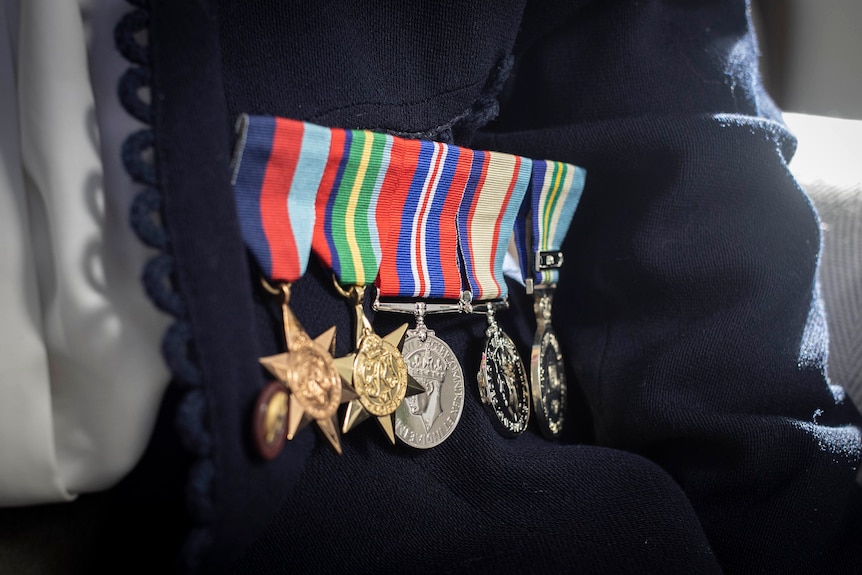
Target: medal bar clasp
{"type": "Point", "coordinates": [490, 307]}
{"type": "Point", "coordinates": [548, 260]}
{"type": "Point", "coordinates": [418, 308]}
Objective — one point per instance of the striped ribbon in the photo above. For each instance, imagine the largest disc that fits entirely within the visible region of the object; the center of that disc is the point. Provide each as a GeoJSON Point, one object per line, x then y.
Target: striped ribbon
{"type": "Point", "coordinates": [346, 237]}
{"type": "Point", "coordinates": [486, 217]}
{"type": "Point", "coordinates": [366, 202]}
{"type": "Point", "coordinates": [555, 190]}
{"type": "Point", "coordinates": [420, 251]}
{"type": "Point", "coordinates": [277, 167]}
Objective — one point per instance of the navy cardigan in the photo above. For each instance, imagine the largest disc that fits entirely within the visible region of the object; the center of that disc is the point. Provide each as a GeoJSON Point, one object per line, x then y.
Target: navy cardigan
{"type": "Point", "coordinates": [704, 436]}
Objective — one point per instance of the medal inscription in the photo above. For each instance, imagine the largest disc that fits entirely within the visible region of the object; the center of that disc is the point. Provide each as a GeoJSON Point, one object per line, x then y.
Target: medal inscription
{"type": "Point", "coordinates": [503, 384]}
{"type": "Point", "coordinates": [312, 379]}
{"type": "Point", "coordinates": [379, 376]}
{"type": "Point", "coordinates": [548, 383]}
{"type": "Point", "coordinates": [426, 419]}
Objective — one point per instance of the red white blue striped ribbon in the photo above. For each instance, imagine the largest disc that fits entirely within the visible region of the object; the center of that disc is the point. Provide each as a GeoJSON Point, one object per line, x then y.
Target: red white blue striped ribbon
{"type": "Point", "coordinates": [420, 252]}
{"type": "Point", "coordinates": [367, 202]}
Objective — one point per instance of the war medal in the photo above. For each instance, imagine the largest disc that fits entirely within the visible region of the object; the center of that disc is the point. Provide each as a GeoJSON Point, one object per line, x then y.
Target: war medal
{"type": "Point", "coordinates": [375, 371]}
{"type": "Point", "coordinates": [485, 222]}
{"type": "Point", "coordinates": [503, 384]}
{"type": "Point", "coordinates": [420, 274]}
{"type": "Point", "coordinates": [347, 240]}
{"type": "Point", "coordinates": [277, 165]}
{"type": "Point", "coordinates": [426, 419]}
{"type": "Point", "coordinates": [547, 371]}
{"type": "Point", "coordinates": [555, 189]}
{"type": "Point", "coordinates": [308, 372]}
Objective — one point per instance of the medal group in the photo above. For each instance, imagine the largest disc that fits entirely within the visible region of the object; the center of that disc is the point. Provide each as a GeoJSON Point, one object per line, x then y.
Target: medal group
{"type": "Point", "coordinates": [426, 226]}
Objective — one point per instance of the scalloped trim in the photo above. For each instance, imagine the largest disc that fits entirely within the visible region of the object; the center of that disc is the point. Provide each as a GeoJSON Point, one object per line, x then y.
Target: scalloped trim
{"type": "Point", "coordinates": [158, 278]}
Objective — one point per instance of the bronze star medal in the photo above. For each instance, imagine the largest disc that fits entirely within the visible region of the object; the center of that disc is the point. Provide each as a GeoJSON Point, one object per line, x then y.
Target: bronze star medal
{"type": "Point", "coordinates": [310, 386]}
{"type": "Point", "coordinates": [375, 371]}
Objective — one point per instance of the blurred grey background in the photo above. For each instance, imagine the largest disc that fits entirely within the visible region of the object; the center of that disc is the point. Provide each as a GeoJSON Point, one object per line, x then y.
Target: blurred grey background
{"type": "Point", "coordinates": [811, 55]}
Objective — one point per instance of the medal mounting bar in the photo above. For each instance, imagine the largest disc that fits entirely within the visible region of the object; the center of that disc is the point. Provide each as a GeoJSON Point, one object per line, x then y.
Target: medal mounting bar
{"type": "Point", "coordinates": [548, 260]}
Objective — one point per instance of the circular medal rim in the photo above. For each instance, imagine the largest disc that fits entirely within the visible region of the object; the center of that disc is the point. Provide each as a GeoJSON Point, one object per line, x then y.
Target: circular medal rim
{"type": "Point", "coordinates": [488, 400]}
{"type": "Point", "coordinates": [269, 450]}
{"type": "Point", "coordinates": [537, 383]}
{"type": "Point", "coordinates": [430, 335]}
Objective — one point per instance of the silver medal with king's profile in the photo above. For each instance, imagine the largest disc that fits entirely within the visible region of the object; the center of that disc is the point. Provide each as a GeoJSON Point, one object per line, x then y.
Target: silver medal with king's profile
{"type": "Point", "coordinates": [426, 419]}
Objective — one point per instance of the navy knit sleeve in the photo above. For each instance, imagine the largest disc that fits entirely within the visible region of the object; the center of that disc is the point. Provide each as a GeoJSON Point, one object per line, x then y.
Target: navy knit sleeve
{"type": "Point", "coordinates": [688, 306]}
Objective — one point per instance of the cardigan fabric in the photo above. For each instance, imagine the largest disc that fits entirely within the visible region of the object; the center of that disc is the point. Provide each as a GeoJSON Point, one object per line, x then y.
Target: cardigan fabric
{"type": "Point", "coordinates": [704, 434]}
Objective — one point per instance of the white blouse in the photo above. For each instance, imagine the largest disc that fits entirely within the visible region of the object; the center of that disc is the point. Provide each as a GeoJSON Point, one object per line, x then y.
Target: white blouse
{"type": "Point", "coordinates": [81, 375]}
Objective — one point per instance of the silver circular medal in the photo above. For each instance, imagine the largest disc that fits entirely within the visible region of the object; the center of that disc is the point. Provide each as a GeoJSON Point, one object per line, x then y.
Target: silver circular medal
{"type": "Point", "coordinates": [503, 384]}
{"type": "Point", "coordinates": [426, 419]}
{"type": "Point", "coordinates": [548, 382]}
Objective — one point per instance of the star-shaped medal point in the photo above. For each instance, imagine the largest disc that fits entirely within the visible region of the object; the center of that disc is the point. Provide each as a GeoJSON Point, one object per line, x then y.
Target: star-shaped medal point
{"type": "Point", "coordinates": [347, 367]}
{"type": "Point", "coordinates": [307, 393]}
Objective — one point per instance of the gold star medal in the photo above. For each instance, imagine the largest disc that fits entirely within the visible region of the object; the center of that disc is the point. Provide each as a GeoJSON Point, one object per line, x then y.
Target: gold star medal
{"type": "Point", "coordinates": [277, 169]}
{"type": "Point", "coordinates": [347, 240]}
{"type": "Point", "coordinates": [375, 371]}
{"type": "Point", "coordinates": [307, 371]}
